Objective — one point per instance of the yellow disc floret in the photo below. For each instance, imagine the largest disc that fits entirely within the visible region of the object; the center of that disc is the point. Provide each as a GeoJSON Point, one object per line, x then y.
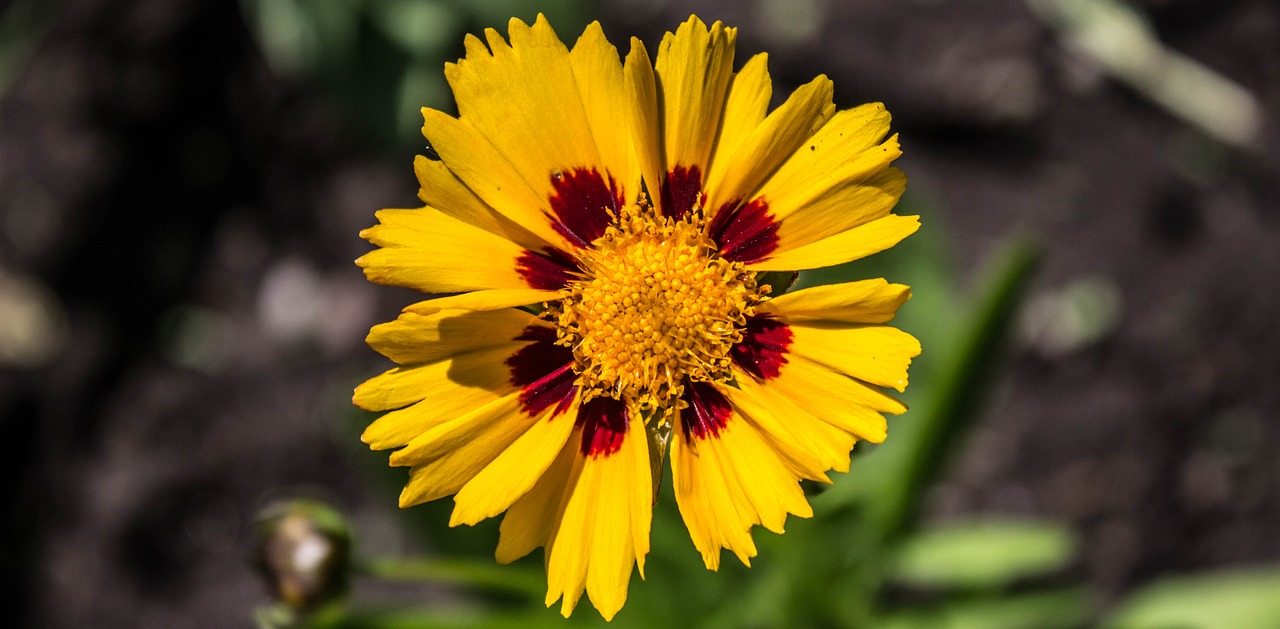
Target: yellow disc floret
{"type": "Point", "coordinates": [656, 305]}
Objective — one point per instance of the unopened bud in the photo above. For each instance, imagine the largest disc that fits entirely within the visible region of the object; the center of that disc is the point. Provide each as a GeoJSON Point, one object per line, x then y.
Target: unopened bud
{"type": "Point", "coordinates": [304, 551]}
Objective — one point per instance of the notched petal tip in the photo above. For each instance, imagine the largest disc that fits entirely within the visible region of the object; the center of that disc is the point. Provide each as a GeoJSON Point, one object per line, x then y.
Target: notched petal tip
{"type": "Point", "coordinates": [497, 43]}
{"type": "Point", "coordinates": [541, 25]}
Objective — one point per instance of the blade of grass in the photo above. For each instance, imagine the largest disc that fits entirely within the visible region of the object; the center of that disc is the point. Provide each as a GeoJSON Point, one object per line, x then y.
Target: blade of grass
{"type": "Point", "coordinates": [966, 379]}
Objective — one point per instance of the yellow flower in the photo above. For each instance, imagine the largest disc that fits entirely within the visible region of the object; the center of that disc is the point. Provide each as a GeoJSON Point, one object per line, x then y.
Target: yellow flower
{"type": "Point", "coordinates": [632, 206]}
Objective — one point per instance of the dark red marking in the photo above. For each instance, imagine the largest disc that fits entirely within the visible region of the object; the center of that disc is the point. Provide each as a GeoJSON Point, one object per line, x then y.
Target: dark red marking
{"type": "Point", "coordinates": [748, 234]}
{"type": "Point", "coordinates": [763, 350]}
{"type": "Point", "coordinates": [680, 190]}
{"type": "Point", "coordinates": [547, 271]}
{"type": "Point", "coordinates": [604, 423]}
{"type": "Point", "coordinates": [544, 371]}
{"type": "Point", "coordinates": [707, 413]}
{"type": "Point", "coordinates": [581, 201]}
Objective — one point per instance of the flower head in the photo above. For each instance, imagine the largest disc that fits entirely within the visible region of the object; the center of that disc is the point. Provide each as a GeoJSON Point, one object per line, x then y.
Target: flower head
{"type": "Point", "coordinates": [633, 206]}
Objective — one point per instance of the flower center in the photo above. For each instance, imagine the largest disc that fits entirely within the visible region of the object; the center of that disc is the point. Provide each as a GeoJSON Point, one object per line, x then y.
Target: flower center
{"type": "Point", "coordinates": [656, 305]}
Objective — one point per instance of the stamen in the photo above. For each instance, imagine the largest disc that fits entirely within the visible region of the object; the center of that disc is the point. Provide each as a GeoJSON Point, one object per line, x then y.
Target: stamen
{"type": "Point", "coordinates": [656, 306]}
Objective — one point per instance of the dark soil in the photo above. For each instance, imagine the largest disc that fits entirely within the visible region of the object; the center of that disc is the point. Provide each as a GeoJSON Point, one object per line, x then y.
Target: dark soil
{"type": "Point", "coordinates": [190, 221]}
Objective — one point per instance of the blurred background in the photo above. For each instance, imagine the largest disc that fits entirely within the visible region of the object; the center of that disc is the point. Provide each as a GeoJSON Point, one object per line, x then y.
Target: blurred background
{"type": "Point", "coordinates": [1094, 419]}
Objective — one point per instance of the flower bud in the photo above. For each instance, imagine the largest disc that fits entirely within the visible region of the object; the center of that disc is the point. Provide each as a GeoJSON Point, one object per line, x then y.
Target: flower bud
{"type": "Point", "coordinates": [304, 552]}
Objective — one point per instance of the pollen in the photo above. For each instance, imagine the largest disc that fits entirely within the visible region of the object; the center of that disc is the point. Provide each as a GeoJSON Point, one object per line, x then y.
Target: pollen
{"type": "Point", "coordinates": [656, 305]}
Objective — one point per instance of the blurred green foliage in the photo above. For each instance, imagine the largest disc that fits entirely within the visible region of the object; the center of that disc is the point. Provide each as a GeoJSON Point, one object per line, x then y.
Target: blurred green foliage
{"type": "Point", "coordinates": [1008, 551]}
{"type": "Point", "coordinates": [23, 24]}
{"type": "Point", "coordinates": [1231, 599]}
{"type": "Point", "coordinates": [384, 59]}
{"type": "Point", "coordinates": [862, 560]}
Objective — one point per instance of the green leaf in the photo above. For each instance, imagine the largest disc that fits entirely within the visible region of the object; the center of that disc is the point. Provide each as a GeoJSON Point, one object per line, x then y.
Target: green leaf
{"type": "Point", "coordinates": [1236, 599]}
{"type": "Point", "coordinates": [983, 555]}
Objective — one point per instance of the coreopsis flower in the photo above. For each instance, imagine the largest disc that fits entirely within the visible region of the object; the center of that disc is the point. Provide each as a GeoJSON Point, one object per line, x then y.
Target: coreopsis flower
{"type": "Point", "coordinates": [599, 229]}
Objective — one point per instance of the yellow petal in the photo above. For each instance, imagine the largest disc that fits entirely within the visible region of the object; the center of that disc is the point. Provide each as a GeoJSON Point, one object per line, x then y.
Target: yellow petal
{"type": "Point", "coordinates": [693, 69]}
{"type": "Point", "coordinates": [848, 404]}
{"type": "Point", "coordinates": [484, 300]}
{"type": "Point", "coordinates": [728, 482]}
{"type": "Point", "coordinates": [642, 111]}
{"type": "Point", "coordinates": [808, 445]}
{"type": "Point", "coordinates": [513, 473]}
{"type": "Point", "coordinates": [598, 74]}
{"type": "Point", "coordinates": [549, 140]}
{"type": "Point", "coordinates": [448, 455]}
{"type": "Point", "coordinates": [878, 354]}
{"type": "Point", "coordinates": [403, 386]}
{"type": "Point", "coordinates": [853, 204]}
{"type": "Point", "coordinates": [624, 498]}
{"type": "Point", "coordinates": [429, 251]}
{"type": "Point", "coordinates": [856, 243]}
{"type": "Point", "coordinates": [839, 178]}
{"type": "Point", "coordinates": [441, 189]}
{"type": "Point", "coordinates": [845, 150]}
{"type": "Point", "coordinates": [866, 301]}
{"type": "Point", "coordinates": [548, 129]}
{"type": "Point", "coordinates": [415, 338]}
{"type": "Point", "coordinates": [603, 529]}
{"type": "Point", "coordinates": [486, 172]}
{"type": "Point", "coordinates": [530, 520]}
{"type": "Point", "coordinates": [769, 144]}
{"type": "Point", "coordinates": [744, 108]}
